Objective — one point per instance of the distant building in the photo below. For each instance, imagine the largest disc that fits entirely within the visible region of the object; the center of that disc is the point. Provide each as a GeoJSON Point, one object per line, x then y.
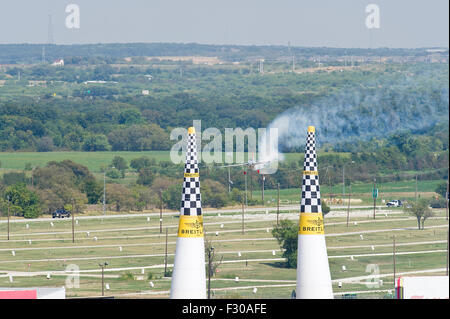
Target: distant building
{"type": "Point", "coordinates": [99, 82]}
{"type": "Point", "coordinates": [37, 83]}
{"type": "Point", "coordinates": [58, 63]}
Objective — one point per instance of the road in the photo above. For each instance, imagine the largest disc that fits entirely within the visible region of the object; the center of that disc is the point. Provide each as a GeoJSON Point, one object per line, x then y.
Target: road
{"type": "Point", "coordinates": [169, 213]}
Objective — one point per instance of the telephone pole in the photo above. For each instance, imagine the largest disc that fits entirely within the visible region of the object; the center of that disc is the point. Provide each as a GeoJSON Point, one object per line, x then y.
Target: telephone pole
{"type": "Point", "coordinates": [160, 211]}
{"type": "Point", "coordinates": [165, 258]}
{"type": "Point", "coordinates": [447, 253]}
{"type": "Point", "coordinates": [229, 181]}
{"type": "Point", "coordinates": [278, 201]}
{"type": "Point", "coordinates": [394, 259]}
{"type": "Point", "coordinates": [348, 208]}
{"type": "Point", "coordinates": [262, 194]}
{"type": "Point", "coordinates": [73, 227]}
{"type": "Point", "coordinates": [210, 250]}
{"type": "Point", "coordinates": [8, 214]}
{"type": "Point", "coordinates": [243, 213]}
{"type": "Point", "coordinates": [416, 189]}
{"type": "Point", "coordinates": [446, 201]}
{"type": "Point", "coordinates": [374, 197]}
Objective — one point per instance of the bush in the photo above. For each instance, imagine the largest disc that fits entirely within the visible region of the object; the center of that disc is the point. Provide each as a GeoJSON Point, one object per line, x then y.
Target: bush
{"type": "Point", "coordinates": [325, 208]}
{"type": "Point", "coordinates": [168, 273]}
{"type": "Point", "coordinates": [438, 203]}
{"type": "Point", "coordinates": [114, 173]}
{"type": "Point", "coordinates": [127, 276]}
{"type": "Point", "coordinates": [286, 234]}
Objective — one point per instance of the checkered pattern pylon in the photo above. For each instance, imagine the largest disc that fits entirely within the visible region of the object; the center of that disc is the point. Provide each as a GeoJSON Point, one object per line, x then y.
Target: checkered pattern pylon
{"type": "Point", "coordinates": [310, 201]}
{"type": "Point", "coordinates": [191, 203]}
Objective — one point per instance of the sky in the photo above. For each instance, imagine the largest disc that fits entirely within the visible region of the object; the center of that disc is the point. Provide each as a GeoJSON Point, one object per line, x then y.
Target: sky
{"type": "Point", "coordinates": [311, 23]}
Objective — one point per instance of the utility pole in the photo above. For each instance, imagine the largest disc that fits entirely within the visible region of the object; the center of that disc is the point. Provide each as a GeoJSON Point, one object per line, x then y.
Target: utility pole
{"type": "Point", "coordinates": [104, 189]}
{"type": "Point", "coordinates": [165, 258]}
{"type": "Point", "coordinates": [210, 250]}
{"type": "Point", "coordinates": [447, 253]}
{"type": "Point", "coordinates": [343, 178]}
{"type": "Point", "coordinates": [73, 227]}
{"type": "Point", "coordinates": [349, 200]}
{"type": "Point", "coordinates": [394, 259]}
{"type": "Point", "coordinates": [446, 201]}
{"type": "Point", "coordinates": [343, 181]}
{"type": "Point", "coordinates": [416, 190]}
{"type": "Point", "coordinates": [104, 192]}
{"type": "Point", "coordinates": [160, 211]}
{"type": "Point", "coordinates": [374, 197]}
{"type": "Point", "coordinates": [229, 181]}
{"type": "Point", "coordinates": [251, 184]}
{"type": "Point", "coordinates": [8, 214]}
{"type": "Point", "coordinates": [103, 265]}
{"type": "Point", "coordinates": [278, 201]}
{"type": "Point", "coordinates": [243, 213]}
{"type": "Point", "coordinates": [262, 194]}
{"type": "Point", "coordinates": [245, 177]}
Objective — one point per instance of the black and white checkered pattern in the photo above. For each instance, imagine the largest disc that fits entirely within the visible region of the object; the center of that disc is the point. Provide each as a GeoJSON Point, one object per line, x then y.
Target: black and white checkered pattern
{"type": "Point", "coordinates": [191, 203]}
{"type": "Point", "coordinates": [310, 153]}
{"type": "Point", "coordinates": [310, 202]}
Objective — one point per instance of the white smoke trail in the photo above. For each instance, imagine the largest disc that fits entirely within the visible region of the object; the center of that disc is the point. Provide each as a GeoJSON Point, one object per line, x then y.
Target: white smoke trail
{"type": "Point", "coordinates": [362, 114]}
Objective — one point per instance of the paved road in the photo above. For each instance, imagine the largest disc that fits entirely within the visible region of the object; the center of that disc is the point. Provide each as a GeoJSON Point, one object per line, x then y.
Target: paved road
{"type": "Point", "coordinates": [169, 213]}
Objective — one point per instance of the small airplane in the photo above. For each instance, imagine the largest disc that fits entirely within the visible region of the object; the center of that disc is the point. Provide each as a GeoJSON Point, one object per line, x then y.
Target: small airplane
{"type": "Point", "coordinates": [252, 164]}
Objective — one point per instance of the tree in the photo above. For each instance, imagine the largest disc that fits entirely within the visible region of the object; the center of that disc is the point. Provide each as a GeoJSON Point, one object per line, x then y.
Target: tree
{"type": "Point", "coordinates": [214, 262]}
{"type": "Point", "coordinates": [14, 178]}
{"type": "Point", "coordinates": [95, 143]}
{"type": "Point", "coordinates": [441, 189]}
{"type": "Point", "coordinates": [141, 162]}
{"type": "Point", "coordinates": [120, 163]}
{"type": "Point", "coordinates": [420, 210]}
{"type": "Point", "coordinates": [325, 208]}
{"type": "Point", "coordinates": [59, 182]}
{"type": "Point", "coordinates": [24, 199]}
{"type": "Point", "coordinates": [172, 196]}
{"type": "Point", "coordinates": [45, 144]}
{"type": "Point", "coordinates": [286, 233]}
{"type": "Point", "coordinates": [120, 196]}
{"type": "Point", "coordinates": [145, 177]}
{"type": "Point", "coordinates": [214, 194]}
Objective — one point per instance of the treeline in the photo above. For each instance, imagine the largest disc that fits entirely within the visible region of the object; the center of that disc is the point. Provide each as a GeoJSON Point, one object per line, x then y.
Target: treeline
{"type": "Point", "coordinates": [118, 117]}
{"type": "Point", "coordinates": [31, 53]}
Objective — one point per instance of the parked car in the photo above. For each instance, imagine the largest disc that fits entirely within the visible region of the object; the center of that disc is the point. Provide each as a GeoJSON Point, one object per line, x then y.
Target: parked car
{"type": "Point", "coordinates": [394, 203]}
{"type": "Point", "coordinates": [61, 213]}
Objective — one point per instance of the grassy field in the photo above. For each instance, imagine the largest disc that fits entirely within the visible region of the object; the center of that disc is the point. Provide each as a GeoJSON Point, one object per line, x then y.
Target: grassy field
{"type": "Point", "coordinates": [132, 244]}
{"type": "Point", "coordinates": [92, 160]}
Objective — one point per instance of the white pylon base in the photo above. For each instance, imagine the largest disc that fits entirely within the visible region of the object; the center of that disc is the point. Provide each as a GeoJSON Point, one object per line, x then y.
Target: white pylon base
{"type": "Point", "coordinates": [189, 274]}
{"type": "Point", "coordinates": [313, 271]}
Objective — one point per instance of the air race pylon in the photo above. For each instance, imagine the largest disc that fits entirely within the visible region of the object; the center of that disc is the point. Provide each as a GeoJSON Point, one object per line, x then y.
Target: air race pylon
{"type": "Point", "coordinates": [313, 271]}
{"type": "Point", "coordinates": [189, 275]}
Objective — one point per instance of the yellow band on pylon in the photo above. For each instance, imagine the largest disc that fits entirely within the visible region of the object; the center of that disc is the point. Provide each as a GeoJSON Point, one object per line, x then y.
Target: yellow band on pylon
{"type": "Point", "coordinates": [190, 226]}
{"type": "Point", "coordinates": [311, 129]}
{"type": "Point", "coordinates": [311, 224]}
{"type": "Point", "coordinates": [191, 175]}
{"type": "Point", "coordinates": [191, 130]}
{"type": "Point", "coordinates": [310, 173]}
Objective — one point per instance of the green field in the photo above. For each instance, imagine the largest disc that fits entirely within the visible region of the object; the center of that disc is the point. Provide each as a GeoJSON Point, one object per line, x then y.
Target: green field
{"type": "Point", "coordinates": [42, 248]}
{"type": "Point", "coordinates": [92, 160]}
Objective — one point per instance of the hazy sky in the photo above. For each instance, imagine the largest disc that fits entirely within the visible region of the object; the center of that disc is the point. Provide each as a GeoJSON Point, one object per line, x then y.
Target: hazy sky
{"type": "Point", "coordinates": [333, 23]}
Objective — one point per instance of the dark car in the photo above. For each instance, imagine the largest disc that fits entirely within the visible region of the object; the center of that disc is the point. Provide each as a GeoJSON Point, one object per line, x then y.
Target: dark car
{"type": "Point", "coordinates": [61, 213]}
